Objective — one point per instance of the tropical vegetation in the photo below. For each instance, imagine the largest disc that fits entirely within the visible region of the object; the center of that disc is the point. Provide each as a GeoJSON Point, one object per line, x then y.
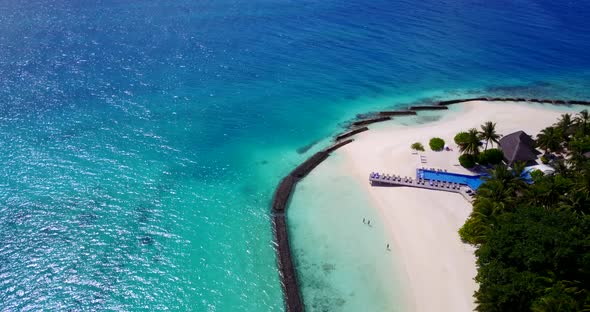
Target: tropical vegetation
{"type": "Point", "coordinates": [549, 139]}
{"type": "Point", "coordinates": [488, 133]}
{"type": "Point", "coordinates": [417, 146]}
{"type": "Point", "coordinates": [470, 144]}
{"type": "Point", "coordinates": [533, 240]}
{"type": "Point", "coordinates": [493, 156]}
{"type": "Point", "coordinates": [467, 161]}
{"type": "Point", "coordinates": [436, 144]}
{"type": "Point", "coordinates": [461, 138]}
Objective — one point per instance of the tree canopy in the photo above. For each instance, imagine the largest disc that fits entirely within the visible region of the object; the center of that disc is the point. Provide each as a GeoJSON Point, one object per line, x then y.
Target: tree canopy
{"type": "Point", "coordinates": [533, 240]}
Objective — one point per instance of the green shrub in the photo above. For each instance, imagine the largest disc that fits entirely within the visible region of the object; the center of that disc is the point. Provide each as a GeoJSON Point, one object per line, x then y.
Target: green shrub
{"type": "Point", "coordinates": [482, 159]}
{"type": "Point", "coordinates": [492, 156]}
{"type": "Point", "coordinates": [417, 146]}
{"type": "Point", "coordinates": [544, 159]}
{"type": "Point", "coordinates": [436, 144]}
{"type": "Point", "coordinates": [461, 138]}
{"type": "Point", "coordinates": [467, 160]}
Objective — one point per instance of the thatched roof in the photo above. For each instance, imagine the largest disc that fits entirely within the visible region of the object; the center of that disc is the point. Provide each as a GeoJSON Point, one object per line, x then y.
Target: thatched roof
{"type": "Point", "coordinates": [518, 146]}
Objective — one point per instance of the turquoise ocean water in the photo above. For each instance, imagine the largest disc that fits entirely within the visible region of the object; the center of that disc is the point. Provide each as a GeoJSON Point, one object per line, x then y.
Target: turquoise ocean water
{"type": "Point", "coordinates": [141, 141]}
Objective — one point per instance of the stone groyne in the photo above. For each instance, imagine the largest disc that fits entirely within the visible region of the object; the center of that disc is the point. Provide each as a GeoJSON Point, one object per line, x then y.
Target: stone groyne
{"type": "Point", "coordinates": [365, 122]}
{"type": "Point", "coordinates": [293, 300]}
{"type": "Point", "coordinates": [351, 133]}
{"type": "Point", "coordinates": [428, 107]}
{"type": "Point", "coordinates": [397, 113]}
{"type": "Point", "coordinates": [509, 99]}
{"type": "Point", "coordinates": [280, 202]}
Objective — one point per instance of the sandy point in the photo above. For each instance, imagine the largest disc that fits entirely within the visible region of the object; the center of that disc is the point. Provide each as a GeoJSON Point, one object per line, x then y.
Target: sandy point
{"type": "Point", "coordinates": [423, 224]}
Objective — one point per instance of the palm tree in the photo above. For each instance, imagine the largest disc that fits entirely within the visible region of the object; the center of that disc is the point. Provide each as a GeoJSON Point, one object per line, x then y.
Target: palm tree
{"type": "Point", "coordinates": [565, 126]}
{"type": "Point", "coordinates": [548, 139]}
{"type": "Point", "coordinates": [471, 144]}
{"type": "Point", "coordinates": [488, 133]}
{"type": "Point", "coordinates": [500, 173]}
{"type": "Point", "coordinates": [582, 183]}
{"type": "Point", "coordinates": [503, 184]}
{"type": "Point", "coordinates": [582, 121]}
{"type": "Point", "coordinates": [576, 149]}
{"type": "Point", "coordinates": [495, 191]}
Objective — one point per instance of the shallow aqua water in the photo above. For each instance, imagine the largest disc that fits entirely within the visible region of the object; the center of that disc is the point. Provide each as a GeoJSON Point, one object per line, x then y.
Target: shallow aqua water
{"type": "Point", "coordinates": [141, 141]}
{"type": "Point", "coordinates": [342, 261]}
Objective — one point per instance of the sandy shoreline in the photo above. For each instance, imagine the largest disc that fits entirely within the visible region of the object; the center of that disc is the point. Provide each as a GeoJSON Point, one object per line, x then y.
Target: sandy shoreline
{"type": "Point", "coordinates": [423, 224]}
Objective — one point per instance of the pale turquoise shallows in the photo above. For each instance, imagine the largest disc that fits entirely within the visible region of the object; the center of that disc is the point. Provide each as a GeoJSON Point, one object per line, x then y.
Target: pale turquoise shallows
{"type": "Point", "coordinates": [141, 141]}
{"type": "Point", "coordinates": [343, 262]}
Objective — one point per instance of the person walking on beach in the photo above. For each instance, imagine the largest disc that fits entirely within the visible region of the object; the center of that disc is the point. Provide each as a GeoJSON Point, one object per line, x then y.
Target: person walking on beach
{"type": "Point", "coordinates": [363, 220]}
{"type": "Point", "coordinates": [388, 247]}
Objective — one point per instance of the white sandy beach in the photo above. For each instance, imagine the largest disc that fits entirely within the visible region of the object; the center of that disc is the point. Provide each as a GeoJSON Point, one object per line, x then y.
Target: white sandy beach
{"type": "Point", "coordinates": [423, 224]}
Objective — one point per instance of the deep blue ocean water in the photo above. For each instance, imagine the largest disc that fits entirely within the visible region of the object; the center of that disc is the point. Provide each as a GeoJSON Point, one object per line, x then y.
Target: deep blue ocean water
{"type": "Point", "coordinates": [141, 141]}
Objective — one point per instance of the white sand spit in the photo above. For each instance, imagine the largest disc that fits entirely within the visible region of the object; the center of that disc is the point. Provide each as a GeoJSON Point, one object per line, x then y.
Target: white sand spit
{"type": "Point", "coordinates": [423, 224]}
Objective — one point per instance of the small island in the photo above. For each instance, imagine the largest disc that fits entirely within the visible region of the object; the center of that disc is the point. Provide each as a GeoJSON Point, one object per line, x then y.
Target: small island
{"type": "Point", "coordinates": [483, 209]}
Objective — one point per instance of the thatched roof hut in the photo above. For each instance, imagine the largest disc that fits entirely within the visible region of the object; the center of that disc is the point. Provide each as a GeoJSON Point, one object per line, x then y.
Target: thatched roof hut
{"type": "Point", "coordinates": [518, 146]}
